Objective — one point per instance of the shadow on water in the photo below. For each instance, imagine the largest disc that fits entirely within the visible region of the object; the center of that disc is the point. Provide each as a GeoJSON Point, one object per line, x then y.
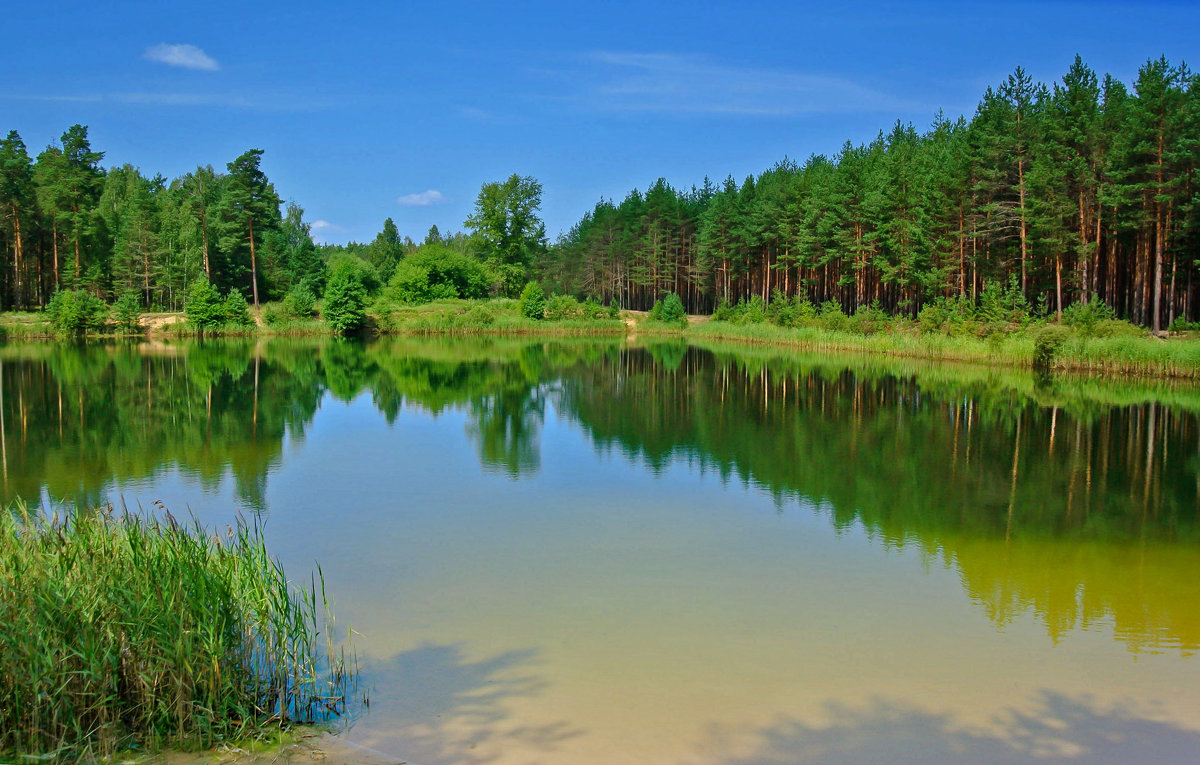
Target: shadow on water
{"type": "Point", "coordinates": [433, 705]}
{"type": "Point", "coordinates": [1059, 729]}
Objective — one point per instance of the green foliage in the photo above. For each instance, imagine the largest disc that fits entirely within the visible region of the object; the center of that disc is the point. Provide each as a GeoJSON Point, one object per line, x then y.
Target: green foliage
{"type": "Point", "coordinates": [1086, 316]}
{"type": "Point", "coordinates": [204, 307]}
{"type": "Point", "coordinates": [346, 295]}
{"type": "Point", "coordinates": [1004, 303]}
{"type": "Point", "coordinates": [435, 272]}
{"type": "Point", "coordinates": [831, 317]}
{"type": "Point", "coordinates": [236, 310]}
{"type": "Point", "coordinates": [508, 233]}
{"type": "Point", "coordinates": [533, 301]}
{"type": "Point", "coordinates": [126, 311]}
{"type": "Point", "coordinates": [868, 320]}
{"type": "Point", "coordinates": [74, 312]}
{"type": "Point", "coordinates": [669, 310]}
{"type": "Point", "coordinates": [477, 316]}
{"type": "Point", "coordinates": [1048, 341]}
{"type": "Point", "coordinates": [560, 307]}
{"type": "Point", "coordinates": [299, 303]}
{"type": "Point", "coordinates": [120, 631]}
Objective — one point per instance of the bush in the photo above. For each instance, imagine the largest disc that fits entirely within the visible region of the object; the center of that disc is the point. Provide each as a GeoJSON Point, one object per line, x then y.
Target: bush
{"type": "Point", "coordinates": [830, 316]}
{"type": "Point", "coordinates": [560, 307]}
{"type": "Point", "coordinates": [73, 312]}
{"type": "Point", "coordinates": [1048, 340]}
{"type": "Point", "coordinates": [669, 310]}
{"type": "Point", "coordinates": [299, 303]}
{"type": "Point", "coordinates": [1002, 303]}
{"type": "Point", "coordinates": [236, 310]}
{"type": "Point", "coordinates": [533, 301]}
{"type": "Point", "coordinates": [1085, 316]}
{"type": "Point", "coordinates": [126, 311]}
{"type": "Point", "coordinates": [346, 296]}
{"type": "Point", "coordinates": [437, 273]}
{"type": "Point", "coordinates": [204, 307]}
{"type": "Point", "coordinates": [475, 316]}
{"type": "Point", "coordinates": [868, 319]}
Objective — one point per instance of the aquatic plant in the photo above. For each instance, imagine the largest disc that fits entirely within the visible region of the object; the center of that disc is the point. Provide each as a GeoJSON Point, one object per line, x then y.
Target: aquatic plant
{"type": "Point", "coordinates": [122, 631]}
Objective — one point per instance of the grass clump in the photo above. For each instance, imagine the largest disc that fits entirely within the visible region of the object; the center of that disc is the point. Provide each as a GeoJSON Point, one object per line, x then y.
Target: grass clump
{"type": "Point", "coordinates": [122, 632]}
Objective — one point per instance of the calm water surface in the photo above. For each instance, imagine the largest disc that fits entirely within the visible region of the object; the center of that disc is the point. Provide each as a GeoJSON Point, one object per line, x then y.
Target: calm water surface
{"type": "Point", "coordinates": [587, 552]}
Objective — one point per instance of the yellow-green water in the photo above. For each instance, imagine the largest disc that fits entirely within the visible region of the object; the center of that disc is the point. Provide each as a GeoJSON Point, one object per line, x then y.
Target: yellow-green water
{"type": "Point", "coordinates": [579, 552]}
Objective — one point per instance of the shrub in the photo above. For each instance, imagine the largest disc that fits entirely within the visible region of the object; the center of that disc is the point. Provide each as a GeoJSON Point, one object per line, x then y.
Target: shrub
{"type": "Point", "coordinates": [560, 307]}
{"type": "Point", "coordinates": [594, 309]}
{"type": "Point", "coordinates": [789, 312]}
{"type": "Point", "coordinates": [1085, 316]}
{"type": "Point", "coordinates": [204, 307]}
{"type": "Point", "coordinates": [533, 301]}
{"type": "Point", "coordinates": [235, 309]}
{"type": "Point", "coordinates": [73, 312]}
{"type": "Point", "coordinates": [475, 316]}
{"type": "Point", "coordinates": [1004, 303]}
{"type": "Point", "coordinates": [299, 303]}
{"type": "Point", "coordinates": [346, 296]}
{"type": "Point", "coordinates": [436, 272]}
{"type": "Point", "coordinates": [868, 319]}
{"type": "Point", "coordinates": [830, 316]}
{"type": "Point", "coordinates": [126, 311]}
{"type": "Point", "coordinates": [669, 310]}
{"type": "Point", "coordinates": [1047, 342]}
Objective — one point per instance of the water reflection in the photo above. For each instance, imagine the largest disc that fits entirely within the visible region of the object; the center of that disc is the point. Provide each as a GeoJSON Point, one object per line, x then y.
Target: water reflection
{"type": "Point", "coordinates": [989, 473]}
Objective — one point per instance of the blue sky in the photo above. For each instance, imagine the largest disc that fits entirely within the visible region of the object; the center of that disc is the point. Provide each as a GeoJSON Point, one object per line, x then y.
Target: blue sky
{"type": "Point", "coordinates": [375, 110]}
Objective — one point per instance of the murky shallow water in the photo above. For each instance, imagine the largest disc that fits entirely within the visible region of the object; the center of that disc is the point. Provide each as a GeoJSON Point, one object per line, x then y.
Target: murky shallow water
{"type": "Point", "coordinates": [575, 552]}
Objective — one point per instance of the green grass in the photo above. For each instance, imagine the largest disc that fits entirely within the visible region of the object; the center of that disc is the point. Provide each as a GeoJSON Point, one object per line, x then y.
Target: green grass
{"type": "Point", "coordinates": [25, 325]}
{"type": "Point", "coordinates": [1137, 354]}
{"type": "Point", "coordinates": [123, 632]}
{"type": "Point", "coordinates": [496, 316]}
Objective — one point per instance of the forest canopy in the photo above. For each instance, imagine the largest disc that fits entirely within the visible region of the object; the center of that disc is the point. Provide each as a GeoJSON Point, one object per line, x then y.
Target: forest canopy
{"type": "Point", "coordinates": [1083, 188]}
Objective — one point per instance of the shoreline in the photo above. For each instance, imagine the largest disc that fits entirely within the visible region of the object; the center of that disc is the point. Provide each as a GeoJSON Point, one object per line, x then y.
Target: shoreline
{"type": "Point", "coordinates": [1140, 355]}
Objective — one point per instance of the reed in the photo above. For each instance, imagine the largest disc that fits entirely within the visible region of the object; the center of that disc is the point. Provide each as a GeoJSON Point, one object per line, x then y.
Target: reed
{"type": "Point", "coordinates": [121, 631]}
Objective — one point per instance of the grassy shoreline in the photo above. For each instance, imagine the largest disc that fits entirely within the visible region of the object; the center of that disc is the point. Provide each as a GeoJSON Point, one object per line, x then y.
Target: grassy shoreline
{"type": "Point", "coordinates": [1131, 352]}
{"type": "Point", "coordinates": [1142, 356]}
{"type": "Point", "coordinates": [124, 632]}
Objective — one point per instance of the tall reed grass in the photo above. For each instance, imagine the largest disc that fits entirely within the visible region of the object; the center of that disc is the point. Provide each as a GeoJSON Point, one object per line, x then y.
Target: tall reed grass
{"type": "Point", "coordinates": [118, 631]}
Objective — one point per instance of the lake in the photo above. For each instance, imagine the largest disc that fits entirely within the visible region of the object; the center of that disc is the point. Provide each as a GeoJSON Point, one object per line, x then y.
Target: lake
{"type": "Point", "coordinates": [592, 551]}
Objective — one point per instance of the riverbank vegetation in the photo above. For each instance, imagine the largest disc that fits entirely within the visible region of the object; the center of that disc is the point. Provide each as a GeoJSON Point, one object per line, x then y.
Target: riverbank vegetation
{"type": "Point", "coordinates": [1079, 190]}
{"type": "Point", "coordinates": [122, 632]}
{"type": "Point", "coordinates": [1072, 204]}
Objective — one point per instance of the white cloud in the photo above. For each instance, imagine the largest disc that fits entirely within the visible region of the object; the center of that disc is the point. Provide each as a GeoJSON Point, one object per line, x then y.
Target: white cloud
{"type": "Point", "coordinates": [185, 56]}
{"type": "Point", "coordinates": [672, 83]}
{"type": "Point", "coordinates": [421, 199]}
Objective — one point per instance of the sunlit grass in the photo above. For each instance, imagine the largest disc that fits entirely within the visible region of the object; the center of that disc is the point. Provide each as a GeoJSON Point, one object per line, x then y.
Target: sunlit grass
{"type": "Point", "coordinates": [120, 631]}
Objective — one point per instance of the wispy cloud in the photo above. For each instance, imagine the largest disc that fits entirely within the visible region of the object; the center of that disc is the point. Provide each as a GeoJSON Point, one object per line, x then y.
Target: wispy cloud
{"type": "Point", "coordinates": [183, 99]}
{"type": "Point", "coordinates": [686, 84]}
{"type": "Point", "coordinates": [421, 199]}
{"type": "Point", "coordinates": [322, 230]}
{"type": "Point", "coordinates": [184, 56]}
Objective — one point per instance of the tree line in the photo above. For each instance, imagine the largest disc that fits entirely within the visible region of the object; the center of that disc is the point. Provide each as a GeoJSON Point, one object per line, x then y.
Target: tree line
{"type": "Point", "coordinates": [68, 223]}
{"type": "Point", "coordinates": [1082, 188]}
